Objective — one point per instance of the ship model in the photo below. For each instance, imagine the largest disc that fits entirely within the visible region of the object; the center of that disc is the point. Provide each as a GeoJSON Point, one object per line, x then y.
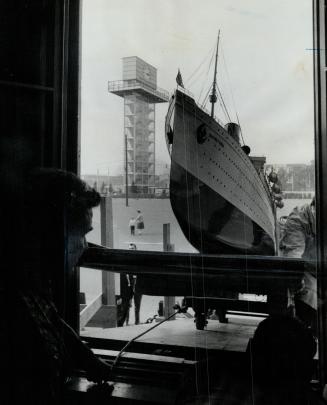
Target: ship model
{"type": "Point", "coordinates": [221, 196]}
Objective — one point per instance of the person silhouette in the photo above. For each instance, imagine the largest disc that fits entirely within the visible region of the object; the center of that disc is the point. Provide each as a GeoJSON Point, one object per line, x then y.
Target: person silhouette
{"type": "Point", "coordinates": [132, 223]}
{"type": "Point", "coordinates": [281, 361]}
{"type": "Point", "coordinates": [129, 293]}
{"type": "Point", "coordinates": [42, 348]}
{"type": "Point", "coordinates": [139, 222]}
{"type": "Point", "coordinates": [298, 239]}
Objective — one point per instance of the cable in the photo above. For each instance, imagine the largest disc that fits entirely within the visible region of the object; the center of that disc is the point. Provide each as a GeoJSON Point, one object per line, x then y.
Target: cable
{"type": "Point", "coordinates": [206, 98]}
{"type": "Point", "coordinates": [238, 121]}
{"type": "Point", "coordinates": [196, 70]}
{"type": "Point", "coordinates": [206, 77]}
{"type": "Point", "coordinates": [222, 100]}
{"type": "Point", "coordinates": [202, 264]}
{"type": "Point", "coordinates": [179, 310]}
{"type": "Point", "coordinates": [189, 227]}
{"type": "Point", "coordinates": [232, 94]}
{"type": "Point", "coordinates": [223, 110]}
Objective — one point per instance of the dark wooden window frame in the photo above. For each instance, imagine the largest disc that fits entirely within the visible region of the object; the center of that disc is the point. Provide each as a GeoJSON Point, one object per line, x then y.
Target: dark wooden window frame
{"type": "Point", "coordinates": [39, 114]}
{"type": "Point", "coordinates": [320, 98]}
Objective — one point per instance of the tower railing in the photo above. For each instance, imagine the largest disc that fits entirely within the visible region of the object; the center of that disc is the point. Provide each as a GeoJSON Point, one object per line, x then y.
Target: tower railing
{"type": "Point", "coordinates": [134, 84]}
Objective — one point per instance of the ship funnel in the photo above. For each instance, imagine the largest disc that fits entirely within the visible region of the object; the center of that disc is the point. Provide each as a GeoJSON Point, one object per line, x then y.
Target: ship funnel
{"type": "Point", "coordinates": [234, 131]}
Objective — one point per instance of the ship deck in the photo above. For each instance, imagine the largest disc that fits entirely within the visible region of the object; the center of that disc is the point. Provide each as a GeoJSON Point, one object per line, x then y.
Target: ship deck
{"type": "Point", "coordinates": [182, 335]}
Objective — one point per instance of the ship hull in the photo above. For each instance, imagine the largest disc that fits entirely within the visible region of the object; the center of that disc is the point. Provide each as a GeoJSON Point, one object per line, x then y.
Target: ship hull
{"type": "Point", "coordinates": [211, 223]}
{"type": "Point", "coordinates": [221, 203]}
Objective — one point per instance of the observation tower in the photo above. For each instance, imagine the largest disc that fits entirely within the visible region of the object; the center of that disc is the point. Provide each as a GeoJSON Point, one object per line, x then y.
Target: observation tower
{"type": "Point", "coordinates": [140, 93]}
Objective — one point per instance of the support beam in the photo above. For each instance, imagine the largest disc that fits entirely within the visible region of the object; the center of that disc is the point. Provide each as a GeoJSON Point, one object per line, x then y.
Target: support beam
{"type": "Point", "coordinates": [108, 278]}
{"type": "Point", "coordinates": [241, 268]}
{"type": "Point", "coordinates": [181, 274]}
{"type": "Point", "coordinates": [90, 310]}
{"type": "Point", "coordinates": [107, 315]}
{"type": "Point", "coordinates": [169, 301]}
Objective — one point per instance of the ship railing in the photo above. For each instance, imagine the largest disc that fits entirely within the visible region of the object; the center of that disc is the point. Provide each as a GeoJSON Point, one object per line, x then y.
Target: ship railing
{"type": "Point", "coordinates": [185, 91]}
{"type": "Point", "coordinates": [188, 93]}
{"type": "Point", "coordinates": [208, 112]}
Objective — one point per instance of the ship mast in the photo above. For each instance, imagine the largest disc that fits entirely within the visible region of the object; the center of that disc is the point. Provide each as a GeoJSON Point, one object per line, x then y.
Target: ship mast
{"type": "Point", "coordinates": [213, 96]}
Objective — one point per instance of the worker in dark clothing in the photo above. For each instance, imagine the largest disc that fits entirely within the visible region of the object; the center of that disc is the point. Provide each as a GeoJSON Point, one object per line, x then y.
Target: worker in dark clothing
{"type": "Point", "coordinates": [299, 240]}
{"type": "Point", "coordinates": [281, 355]}
{"type": "Point", "coordinates": [128, 293]}
{"type": "Point", "coordinates": [42, 349]}
{"type": "Point", "coordinates": [139, 222]}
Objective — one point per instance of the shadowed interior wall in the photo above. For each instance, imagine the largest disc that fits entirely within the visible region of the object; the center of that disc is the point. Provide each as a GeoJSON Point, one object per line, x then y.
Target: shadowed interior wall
{"type": "Point", "coordinates": [38, 108]}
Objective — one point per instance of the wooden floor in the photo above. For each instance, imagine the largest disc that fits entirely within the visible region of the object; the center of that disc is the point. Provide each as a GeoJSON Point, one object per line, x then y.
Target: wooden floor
{"type": "Point", "coordinates": [233, 336]}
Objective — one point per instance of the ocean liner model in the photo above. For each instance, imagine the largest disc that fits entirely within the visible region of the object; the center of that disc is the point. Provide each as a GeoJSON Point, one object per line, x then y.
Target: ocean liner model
{"type": "Point", "coordinates": [220, 195]}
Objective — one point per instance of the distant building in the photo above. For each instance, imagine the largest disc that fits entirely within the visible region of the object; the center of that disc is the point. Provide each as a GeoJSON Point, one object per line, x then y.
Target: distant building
{"type": "Point", "coordinates": [140, 92]}
{"type": "Point", "coordinates": [105, 184]}
{"type": "Point", "coordinates": [162, 181]}
{"type": "Point", "coordinates": [116, 184]}
{"type": "Point", "coordinates": [295, 178]}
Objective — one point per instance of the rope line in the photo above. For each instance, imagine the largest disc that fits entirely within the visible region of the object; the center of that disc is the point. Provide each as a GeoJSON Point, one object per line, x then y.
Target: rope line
{"type": "Point", "coordinates": [189, 229]}
{"type": "Point", "coordinates": [138, 336]}
{"type": "Point", "coordinates": [202, 268]}
{"type": "Point", "coordinates": [232, 93]}
{"type": "Point", "coordinates": [223, 102]}
{"type": "Point", "coordinates": [197, 69]}
{"type": "Point", "coordinates": [203, 105]}
{"type": "Point", "coordinates": [204, 82]}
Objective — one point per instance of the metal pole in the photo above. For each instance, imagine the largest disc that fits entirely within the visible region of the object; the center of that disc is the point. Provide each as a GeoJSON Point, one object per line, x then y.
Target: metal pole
{"type": "Point", "coordinates": [108, 182]}
{"type": "Point", "coordinates": [213, 98]}
{"type": "Point", "coordinates": [126, 171]}
{"type": "Point", "coordinates": [169, 302]}
{"type": "Point", "coordinates": [97, 179]}
{"type": "Point", "coordinates": [108, 282]}
{"type": "Point", "coordinates": [107, 317]}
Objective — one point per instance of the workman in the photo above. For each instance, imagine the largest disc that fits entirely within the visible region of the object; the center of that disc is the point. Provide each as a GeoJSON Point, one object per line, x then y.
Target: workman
{"type": "Point", "coordinates": [298, 240]}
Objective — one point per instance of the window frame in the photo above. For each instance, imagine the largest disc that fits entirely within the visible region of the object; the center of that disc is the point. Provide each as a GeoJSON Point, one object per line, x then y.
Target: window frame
{"type": "Point", "coordinates": [71, 161]}
{"type": "Point", "coordinates": [320, 94]}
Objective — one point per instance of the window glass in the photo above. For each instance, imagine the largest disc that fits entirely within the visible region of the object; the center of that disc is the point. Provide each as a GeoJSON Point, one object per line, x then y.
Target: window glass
{"type": "Point", "coordinates": [233, 177]}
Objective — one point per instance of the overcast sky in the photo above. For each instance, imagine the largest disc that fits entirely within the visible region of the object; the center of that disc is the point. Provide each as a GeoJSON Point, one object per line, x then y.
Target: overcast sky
{"type": "Point", "coordinates": [264, 70]}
